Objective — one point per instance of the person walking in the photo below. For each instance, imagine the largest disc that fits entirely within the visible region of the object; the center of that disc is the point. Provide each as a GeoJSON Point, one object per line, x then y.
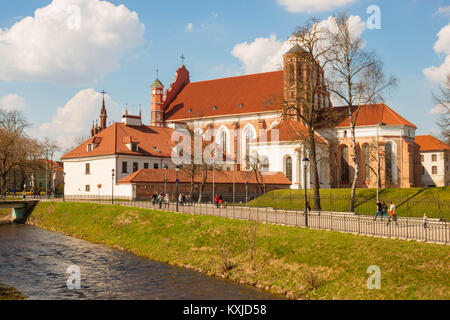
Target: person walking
{"type": "Point", "coordinates": [391, 211]}
{"type": "Point", "coordinates": [160, 200]}
{"type": "Point", "coordinates": [24, 195]}
{"type": "Point", "coordinates": [220, 201]}
{"type": "Point", "coordinates": [384, 210]}
{"type": "Point", "coordinates": [425, 221]}
{"type": "Point", "coordinates": [166, 201]}
{"type": "Point", "coordinates": [379, 211]}
{"type": "Point", "coordinates": [154, 198]}
{"type": "Point", "coordinates": [216, 200]}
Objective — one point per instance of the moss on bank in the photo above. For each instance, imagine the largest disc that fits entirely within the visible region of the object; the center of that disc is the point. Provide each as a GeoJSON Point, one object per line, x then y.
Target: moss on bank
{"type": "Point", "coordinates": [10, 293]}
{"type": "Point", "coordinates": [301, 263]}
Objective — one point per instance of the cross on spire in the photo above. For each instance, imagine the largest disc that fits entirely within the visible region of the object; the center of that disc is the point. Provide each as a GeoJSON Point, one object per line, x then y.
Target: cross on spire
{"type": "Point", "coordinates": [157, 73]}
{"type": "Point", "coordinates": [103, 93]}
{"type": "Point", "coordinates": [182, 59]}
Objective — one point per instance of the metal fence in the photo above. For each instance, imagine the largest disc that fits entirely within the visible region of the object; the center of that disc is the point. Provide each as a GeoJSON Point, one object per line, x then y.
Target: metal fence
{"type": "Point", "coordinates": [436, 231]}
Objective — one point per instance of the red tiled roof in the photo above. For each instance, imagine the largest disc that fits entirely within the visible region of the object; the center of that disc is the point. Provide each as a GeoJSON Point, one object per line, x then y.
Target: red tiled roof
{"type": "Point", "coordinates": [57, 166]}
{"type": "Point", "coordinates": [372, 114]}
{"type": "Point", "coordinates": [430, 143]}
{"type": "Point", "coordinates": [157, 176]}
{"type": "Point", "coordinates": [256, 92]}
{"type": "Point", "coordinates": [114, 140]}
{"type": "Point", "coordinates": [290, 130]}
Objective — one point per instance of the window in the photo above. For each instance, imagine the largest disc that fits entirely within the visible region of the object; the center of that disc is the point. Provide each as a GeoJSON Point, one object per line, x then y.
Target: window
{"type": "Point", "coordinates": [434, 158]}
{"type": "Point", "coordinates": [155, 166]}
{"type": "Point", "coordinates": [248, 138]}
{"type": "Point", "coordinates": [146, 165]}
{"type": "Point", "coordinates": [388, 163]}
{"type": "Point", "coordinates": [344, 165]}
{"type": "Point", "coordinates": [87, 188]}
{"type": "Point", "coordinates": [135, 166]}
{"type": "Point", "coordinates": [345, 133]}
{"type": "Point", "coordinates": [367, 162]}
{"type": "Point", "coordinates": [288, 166]}
{"type": "Point", "coordinates": [124, 167]}
{"type": "Point", "coordinates": [89, 147]}
{"type": "Point", "coordinates": [434, 170]}
{"type": "Point", "coordinates": [134, 147]}
{"type": "Point", "coordinates": [88, 168]}
{"type": "Point", "coordinates": [422, 158]}
{"type": "Point", "coordinates": [423, 170]}
{"type": "Point", "coordinates": [223, 141]}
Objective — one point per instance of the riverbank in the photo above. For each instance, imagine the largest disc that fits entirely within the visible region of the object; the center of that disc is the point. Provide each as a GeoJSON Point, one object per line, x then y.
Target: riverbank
{"type": "Point", "coordinates": [10, 293]}
{"type": "Point", "coordinates": [299, 263]}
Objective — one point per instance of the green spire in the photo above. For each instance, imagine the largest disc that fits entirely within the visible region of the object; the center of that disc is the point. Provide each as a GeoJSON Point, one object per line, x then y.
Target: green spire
{"type": "Point", "coordinates": [157, 84]}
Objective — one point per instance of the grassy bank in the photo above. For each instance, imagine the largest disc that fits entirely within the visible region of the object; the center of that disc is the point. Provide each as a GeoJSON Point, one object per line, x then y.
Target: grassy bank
{"type": "Point", "coordinates": [10, 293]}
{"type": "Point", "coordinates": [413, 202]}
{"type": "Point", "coordinates": [301, 263]}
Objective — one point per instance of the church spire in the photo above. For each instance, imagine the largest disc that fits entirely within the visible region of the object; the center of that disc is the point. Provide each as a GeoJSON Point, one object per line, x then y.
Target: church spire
{"type": "Point", "coordinates": [103, 114]}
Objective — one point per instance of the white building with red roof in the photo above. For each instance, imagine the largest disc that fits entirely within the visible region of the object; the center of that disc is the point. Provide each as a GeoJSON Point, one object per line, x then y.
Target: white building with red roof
{"type": "Point", "coordinates": [246, 116]}
{"type": "Point", "coordinates": [435, 159]}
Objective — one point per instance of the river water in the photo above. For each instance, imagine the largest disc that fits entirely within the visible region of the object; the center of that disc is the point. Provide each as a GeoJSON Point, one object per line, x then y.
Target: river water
{"type": "Point", "coordinates": [35, 262]}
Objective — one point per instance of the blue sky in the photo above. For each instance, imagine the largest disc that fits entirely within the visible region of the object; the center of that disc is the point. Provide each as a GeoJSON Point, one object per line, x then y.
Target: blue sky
{"type": "Point", "coordinates": [125, 68]}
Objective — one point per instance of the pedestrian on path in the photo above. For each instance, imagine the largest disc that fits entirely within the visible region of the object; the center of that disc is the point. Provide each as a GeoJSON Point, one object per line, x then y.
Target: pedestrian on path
{"type": "Point", "coordinates": [160, 200]}
{"type": "Point", "coordinates": [154, 198]}
{"type": "Point", "coordinates": [425, 221]}
{"type": "Point", "coordinates": [166, 201]}
{"type": "Point", "coordinates": [391, 211]}
{"type": "Point", "coordinates": [216, 200]}
{"type": "Point", "coordinates": [384, 210]}
{"type": "Point", "coordinates": [379, 211]}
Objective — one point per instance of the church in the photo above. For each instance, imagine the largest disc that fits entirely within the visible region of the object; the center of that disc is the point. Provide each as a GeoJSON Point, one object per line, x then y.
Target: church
{"type": "Point", "coordinates": [247, 117]}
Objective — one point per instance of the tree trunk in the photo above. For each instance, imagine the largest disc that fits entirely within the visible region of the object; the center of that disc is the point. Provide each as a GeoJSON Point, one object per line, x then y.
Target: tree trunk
{"type": "Point", "coordinates": [356, 174]}
{"type": "Point", "coordinates": [312, 143]}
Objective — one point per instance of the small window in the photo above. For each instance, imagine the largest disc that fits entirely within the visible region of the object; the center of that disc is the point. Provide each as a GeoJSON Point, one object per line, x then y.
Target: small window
{"type": "Point", "coordinates": [422, 158]}
{"type": "Point", "coordinates": [89, 147]}
{"type": "Point", "coordinates": [87, 188]}
{"type": "Point", "coordinates": [134, 147]}
{"type": "Point", "coordinates": [434, 170]}
{"type": "Point", "coordinates": [189, 110]}
{"type": "Point", "coordinates": [423, 170]}
{"type": "Point", "coordinates": [146, 165]}
{"type": "Point", "coordinates": [135, 166]}
{"type": "Point", "coordinates": [214, 108]}
{"type": "Point", "coordinates": [124, 167]}
{"type": "Point", "coordinates": [345, 133]}
{"type": "Point", "coordinates": [88, 168]}
{"type": "Point", "coordinates": [241, 105]}
{"type": "Point", "coordinates": [156, 149]}
{"type": "Point", "coordinates": [434, 158]}
{"type": "Point", "coordinates": [155, 166]}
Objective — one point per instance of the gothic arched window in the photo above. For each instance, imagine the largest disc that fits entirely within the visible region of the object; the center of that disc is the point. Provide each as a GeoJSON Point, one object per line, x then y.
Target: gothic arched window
{"type": "Point", "coordinates": [388, 163]}
{"type": "Point", "coordinates": [288, 168]}
{"type": "Point", "coordinates": [367, 162]}
{"type": "Point", "coordinates": [223, 141]}
{"type": "Point", "coordinates": [344, 165]}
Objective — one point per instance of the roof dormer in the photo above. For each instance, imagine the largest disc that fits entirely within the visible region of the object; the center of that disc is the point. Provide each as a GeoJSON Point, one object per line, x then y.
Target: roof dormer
{"type": "Point", "coordinates": [131, 120]}
{"type": "Point", "coordinates": [131, 143]}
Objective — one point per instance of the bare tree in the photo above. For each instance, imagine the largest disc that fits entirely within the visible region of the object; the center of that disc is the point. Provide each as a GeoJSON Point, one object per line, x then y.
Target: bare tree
{"type": "Point", "coordinates": [442, 100]}
{"type": "Point", "coordinates": [356, 79]}
{"type": "Point", "coordinates": [50, 147]}
{"type": "Point", "coordinates": [307, 104]}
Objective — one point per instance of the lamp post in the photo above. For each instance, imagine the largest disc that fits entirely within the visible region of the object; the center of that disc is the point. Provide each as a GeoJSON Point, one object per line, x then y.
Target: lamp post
{"type": "Point", "coordinates": [165, 179]}
{"type": "Point", "coordinates": [113, 174]}
{"type": "Point", "coordinates": [64, 187]}
{"type": "Point", "coordinates": [177, 168]}
{"type": "Point", "coordinates": [380, 124]}
{"type": "Point", "coordinates": [305, 167]}
{"type": "Point", "coordinates": [246, 192]}
{"type": "Point", "coordinates": [214, 182]}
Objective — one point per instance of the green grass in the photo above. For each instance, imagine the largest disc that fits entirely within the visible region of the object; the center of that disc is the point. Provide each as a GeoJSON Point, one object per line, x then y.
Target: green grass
{"type": "Point", "coordinates": [301, 263]}
{"type": "Point", "coordinates": [412, 202]}
{"type": "Point", "coordinates": [10, 293]}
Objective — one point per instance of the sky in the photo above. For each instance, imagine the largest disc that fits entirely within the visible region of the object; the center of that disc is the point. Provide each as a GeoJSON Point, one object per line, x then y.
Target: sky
{"type": "Point", "coordinates": [57, 56]}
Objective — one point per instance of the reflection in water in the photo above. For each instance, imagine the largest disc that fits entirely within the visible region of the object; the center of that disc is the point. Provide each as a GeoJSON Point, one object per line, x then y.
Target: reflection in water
{"type": "Point", "coordinates": [35, 261]}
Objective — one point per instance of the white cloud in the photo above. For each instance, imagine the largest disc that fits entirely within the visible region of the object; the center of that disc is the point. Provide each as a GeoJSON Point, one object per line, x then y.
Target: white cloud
{"type": "Point", "coordinates": [313, 5]}
{"type": "Point", "coordinates": [12, 102]}
{"type": "Point", "coordinates": [75, 118]}
{"type": "Point", "coordinates": [442, 46]}
{"type": "Point", "coordinates": [189, 27]}
{"type": "Point", "coordinates": [69, 42]}
{"type": "Point", "coordinates": [445, 11]}
{"type": "Point", "coordinates": [266, 54]}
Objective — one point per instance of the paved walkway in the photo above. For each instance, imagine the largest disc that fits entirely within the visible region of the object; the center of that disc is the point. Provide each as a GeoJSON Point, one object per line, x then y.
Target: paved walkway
{"type": "Point", "coordinates": [404, 228]}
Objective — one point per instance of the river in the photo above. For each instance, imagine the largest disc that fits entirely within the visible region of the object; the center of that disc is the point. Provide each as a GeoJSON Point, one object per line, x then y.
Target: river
{"type": "Point", "coordinates": [35, 262]}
